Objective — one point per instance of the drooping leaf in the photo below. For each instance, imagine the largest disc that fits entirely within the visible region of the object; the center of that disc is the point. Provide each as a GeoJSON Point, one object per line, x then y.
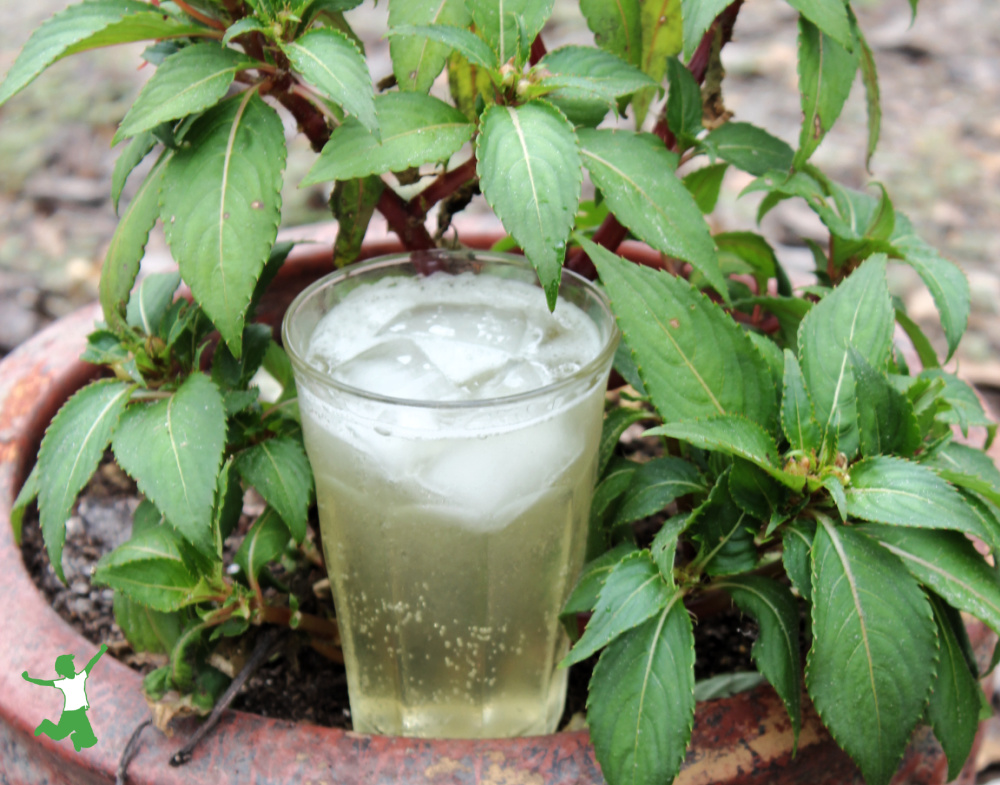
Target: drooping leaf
{"type": "Point", "coordinates": [616, 422]}
{"type": "Point", "coordinates": [129, 158]}
{"type": "Point", "coordinates": [279, 470]}
{"type": "Point", "coordinates": [194, 79]}
{"type": "Point", "coordinates": [731, 434]}
{"type": "Point", "coordinates": [947, 283]}
{"type": "Point", "coordinates": [172, 449]}
{"type": "Point", "coordinates": [121, 263]}
{"type": "Point", "coordinates": [887, 489]}
{"type": "Point", "coordinates": [857, 313]}
{"type": "Point", "coordinates": [640, 709]}
{"type": "Point", "coordinates": [71, 449]}
{"type": "Point", "coordinates": [465, 42]}
{"type": "Point", "coordinates": [416, 129]}
{"type": "Point", "coordinates": [221, 204]}
{"type": "Point", "coordinates": [776, 650]}
{"type": "Point", "coordinates": [663, 548]}
{"type": "Point", "coordinates": [605, 502]}
{"type": "Point", "coordinates": [612, 74]}
{"type": "Point", "coordinates": [150, 301]}
{"type": "Point", "coordinates": [417, 60]}
{"type": "Point", "coordinates": [248, 24]}
{"type": "Point", "coordinates": [509, 27]}
{"type": "Point", "coordinates": [144, 628]}
{"type": "Point", "coordinates": [529, 171]}
{"type": "Point", "coordinates": [886, 423]}
{"type": "Point", "coordinates": [27, 494]}
{"type": "Point", "coordinates": [869, 691]}
{"type": "Point", "coordinates": [683, 101]}
{"type": "Point", "coordinates": [953, 710]}
{"type": "Point", "coordinates": [693, 359]}
{"type": "Point", "coordinates": [228, 504]}
{"type": "Point", "coordinates": [873, 94]}
{"type": "Point", "coordinates": [698, 16]}
{"type": "Point", "coordinates": [79, 27]}
{"type": "Point", "coordinates": [655, 484]}
{"type": "Point", "coordinates": [635, 175]}
{"type": "Point", "coordinates": [705, 184]}
{"type": "Point", "coordinates": [749, 148]}
{"type": "Point", "coordinates": [964, 408]}
{"type": "Point", "coordinates": [830, 16]}
{"type": "Point", "coordinates": [150, 568]}
{"type": "Point", "coordinates": [353, 205]}
{"type": "Point", "coordinates": [796, 556]}
{"type": "Point", "coordinates": [826, 73]}
{"type": "Point", "coordinates": [662, 35]}
{"type": "Point", "coordinates": [616, 27]}
{"type": "Point", "coordinates": [584, 596]}
{"type": "Point", "coordinates": [921, 344]}
{"type": "Point", "coordinates": [948, 563]}
{"type": "Point", "coordinates": [751, 250]}
{"type": "Point", "coordinates": [633, 591]}
{"type": "Point", "coordinates": [229, 372]}
{"type": "Point", "coordinates": [331, 62]}
{"type": "Point", "coordinates": [835, 488]}
{"type": "Point", "coordinates": [721, 529]}
{"type": "Point", "coordinates": [265, 542]}
{"type": "Point", "coordinates": [966, 467]}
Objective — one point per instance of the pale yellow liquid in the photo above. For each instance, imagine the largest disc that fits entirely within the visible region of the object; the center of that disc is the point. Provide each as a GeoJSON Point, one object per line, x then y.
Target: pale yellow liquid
{"type": "Point", "coordinates": [451, 552]}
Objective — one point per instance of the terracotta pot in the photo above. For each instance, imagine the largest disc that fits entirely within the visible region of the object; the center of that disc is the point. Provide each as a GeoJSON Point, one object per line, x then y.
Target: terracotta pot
{"type": "Point", "coordinates": [745, 739]}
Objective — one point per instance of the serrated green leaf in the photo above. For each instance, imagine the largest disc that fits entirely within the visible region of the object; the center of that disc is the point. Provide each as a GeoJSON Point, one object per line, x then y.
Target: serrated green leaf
{"type": "Point", "coordinates": [752, 250]}
{"type": "Point", "coordinates": [966, 467]}
{"type": "Point", "coordinates": [749, 148]}
{"type": "Point", "coordinates": [265, 542]}
{"type": "Point", "coordinates": [693, 359]}
{"type": "Point", "coordinates": [529, 171]}
{"type": "Point", "coordinates": [416, 129]}
{"type": "Point", "coordinates": [464, 42]}
{"type": "Point", "coordinates": [71, 449]}
{"type": "Point", "coordinates": [144, 628]}
{"type": "Point", "coordinates": [172, 449]}
{"type": "Point", "coordinates": [635, 175]}
{"type": "Point", "coordinates": [953, 710]}
{"type": "Point", "coordinates": [964, 408]}
{"type": "Point", "coordinates": [662, 35]}
{"type": "Point", "coordinates": [796, 556]}
{"type": "Point", "coordinates": [418, 59]}
{"type": "Point", "coordinates": [150, 301]}
{"type": "Point", "coordinates": [584, 596]}
{"type": "Point", "coordinates": [640, 709]}
{"type": "Point", "coordinates": [27, 494]}
{"type": "Point", "coordinates": [221, 204]}
{"type": "Point", "coordinates": [499, 24]}
{"type": "Point", "coordinates": [948, 563]}
{"type": "Point", "coordinates": [830, 16]}
{"type": "Point", "coordinates": [188, 82]}
{"type": "Point", "coordinates": [721, 529]}
{"type": "Point", "coordinates": [756, 493]}
{"type": "Point", "coordinates": [857, 313]}
{"type": "Point", "coordinates": [248, 24]}
{"type": "Point", "coordinates": [616, 422]}
{"type": "Point", "coordinates": [607, 494]}
{"type": "Point", "coordinates": [331, 62]}
{"type": "Point", "coordinates": [632, 592]}
{"type": "Point", "coordinates": [732, 434]}
{"type": "Point", "coordinates": [798, 419]}
{"type": "Point", "coordinates": [869, 691]}
{"type": "Point", "coordinates": [922, 346]}
{"type": "Point", "coordinates": [353, 205]}
{"type": "Point", "coordinates": [947, 283]}
{"type": "Point", "coordinates": [616, 27]}
{"type": "Point", "coordinates": [279, 470]}
{"type": "Point", "coordinates": [609, 73]}
{"type": "Point", "coordinates": [663, 548]}
{"type": "Point", "coordinates": [79, 27]}
{"type": "Point", "coordinates": [150, 569]}
{"type": "Point", "coordinates": [776, 650]}
{"type": "Point", "coordinates": [698, 16]}
{"type": "Point", "coordinates": [129, 158]}
{"type": "Point", "coordinates": [836, 490]}
{"type": "Point", "coordinates": [146, 516]}
{"type": "Point", "coordinates": [683, 101]}
{"type": "Point", "coordinates": [229, 372]}
{"type": "Point", "coordinates": [873, 94]}
{"type": "Point", "coordinates": [655, 484]}
{"type": "Point", "coordinates": [893, 490]}
{"type": "Point", "coordinates": [886, 423]}
{"type": "Point", "coordinates": [826, 73]}
{"type": "Point", "coordinates": [705, 184]}
{"type": "Point", "coordinates": [121, 263]}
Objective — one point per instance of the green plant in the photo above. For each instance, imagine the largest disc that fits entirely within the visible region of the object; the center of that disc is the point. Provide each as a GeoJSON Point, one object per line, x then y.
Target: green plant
{"type": "Point", "coordinates": [797, 442]}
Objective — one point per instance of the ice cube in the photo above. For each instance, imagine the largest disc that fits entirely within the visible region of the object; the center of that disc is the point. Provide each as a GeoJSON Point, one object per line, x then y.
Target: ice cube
{"type": "Point", "coordinates": [515, 376]}
{"type": "Point", "coordinates": [502, 328]}
{"type": "Point", "coordinates": [398, 368]}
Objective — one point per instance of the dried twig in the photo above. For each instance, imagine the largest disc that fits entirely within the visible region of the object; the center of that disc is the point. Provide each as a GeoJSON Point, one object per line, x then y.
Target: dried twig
{"type": "Point", "coordinates": [129, 752]}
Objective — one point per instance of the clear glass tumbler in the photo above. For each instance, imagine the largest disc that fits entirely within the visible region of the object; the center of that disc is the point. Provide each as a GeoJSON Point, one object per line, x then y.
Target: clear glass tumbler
{"type": "Point", "coordinates": [453, 530]}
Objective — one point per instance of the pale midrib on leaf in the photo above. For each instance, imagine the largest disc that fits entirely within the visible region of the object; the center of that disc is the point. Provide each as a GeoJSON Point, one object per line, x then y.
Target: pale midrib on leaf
{"type": "Point", "coordinates": [503, 36]}
{"type": "Point", "coordinates": [849, 577]}
{"type": "Point", "coordinates": [277, 471]}
{"type": "Point", "coordinates": [419, 131]}
{"type": "Point", "coordinates": [227, 159]}
{"type": "Point", "coordinates": [645, 682]}
{"type": "Point", "coordinates": [123, 581]}
{"type": "Point", "coordinates": [154, 173]}
{"type": "Point", "coordinates": [302, 50]}
{"type": "Point", "coordinates": [835, 405]}
{"type": "Point", "coordinates": [423, 49]}
{"type": "Point", "coordinates": [767, 602]}
{"type": "Point", "coordinates": [906, 494]}
{"type": "Point", "coordinates": [166, 555]}
{"type": "Point", "coordinates": [648, 59]}
{"type": "Point", "coordinates": [173, 447]}
{"type": "Point", "coordinates": [527, 158]}
{"type": "Point", "coordinates": [624, 22]}
{"type": "Point", "coordinates": [67, 490]}
{"type": "Point", "coordinates": [814, 112]}
{"type": "Point", "coordinates": [195, 85]}
{"type": "Point", "coordinates": [723, 541]}
{"type": "Point", "coordinates": [623, 605]}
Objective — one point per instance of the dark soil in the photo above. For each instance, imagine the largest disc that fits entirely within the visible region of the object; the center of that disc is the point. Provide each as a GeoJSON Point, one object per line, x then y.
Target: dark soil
{"type": "Point", "coordinates": [297, 683]}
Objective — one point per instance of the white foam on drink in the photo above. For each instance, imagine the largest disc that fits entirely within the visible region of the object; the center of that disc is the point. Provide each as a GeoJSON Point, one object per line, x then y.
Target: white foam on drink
{"type": "Point", "coordinates": [451, 337]}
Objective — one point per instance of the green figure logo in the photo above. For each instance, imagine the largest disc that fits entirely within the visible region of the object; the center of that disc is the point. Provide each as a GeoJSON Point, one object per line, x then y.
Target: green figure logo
{"type": "Point", "coordinates": [73, 687]}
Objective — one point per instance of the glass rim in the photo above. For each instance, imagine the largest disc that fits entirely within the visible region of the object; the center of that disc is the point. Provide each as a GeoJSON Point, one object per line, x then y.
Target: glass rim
{"type": "Point", "coordinates": [602, 358]}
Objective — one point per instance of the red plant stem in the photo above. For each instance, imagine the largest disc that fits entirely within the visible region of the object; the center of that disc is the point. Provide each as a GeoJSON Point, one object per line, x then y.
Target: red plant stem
{"type": "Point", "coordinates": [445, 185]}
{"type": "Point", "coordinates": [402, 221]}
{"type": "Point", "coordinates": [307, 622]}
{"type": "Point", "coordinates": [538, 50]}
{"type": "Point", "coordinates": [199, 15]}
